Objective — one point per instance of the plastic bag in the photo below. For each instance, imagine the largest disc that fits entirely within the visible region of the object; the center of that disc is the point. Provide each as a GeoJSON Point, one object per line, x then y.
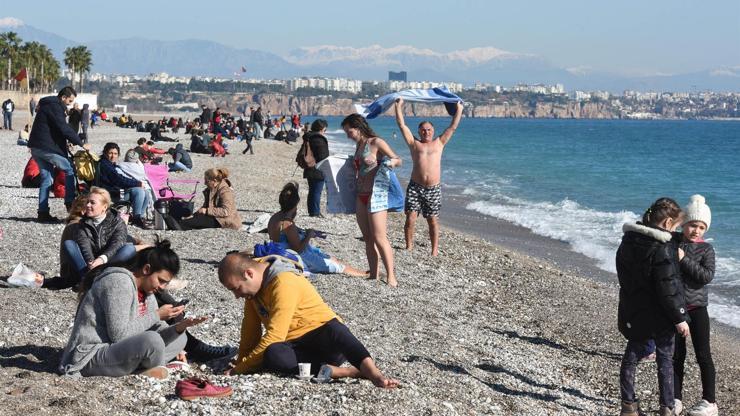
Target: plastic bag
{"type": "Point", "coordinates": [24, 277]}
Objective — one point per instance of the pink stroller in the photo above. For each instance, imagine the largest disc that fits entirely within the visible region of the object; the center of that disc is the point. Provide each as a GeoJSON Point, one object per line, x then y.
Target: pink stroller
{"type": "Point", "coordinates": [167, 200]}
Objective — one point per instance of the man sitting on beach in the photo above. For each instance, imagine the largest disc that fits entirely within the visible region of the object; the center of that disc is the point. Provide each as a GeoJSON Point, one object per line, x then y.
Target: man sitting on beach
{"type": "Point", "coordinates": [299, 326]}
{"type": "Point", "coordinates": [424, 190]}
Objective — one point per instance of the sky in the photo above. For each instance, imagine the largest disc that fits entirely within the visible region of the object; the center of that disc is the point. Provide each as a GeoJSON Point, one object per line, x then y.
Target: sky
{"type": "Point", "coordinates": [644, 37]}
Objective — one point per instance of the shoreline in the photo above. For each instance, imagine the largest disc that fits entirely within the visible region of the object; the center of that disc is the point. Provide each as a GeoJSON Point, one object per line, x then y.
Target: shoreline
{"type": "Point", "coordinates": [482, 329]}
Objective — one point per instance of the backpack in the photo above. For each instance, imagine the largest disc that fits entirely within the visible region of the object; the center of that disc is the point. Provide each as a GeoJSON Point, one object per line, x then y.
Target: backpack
{"type": "Point", "coordinates": [305, 158]}
{"type": "Point", "coordinates": [86, 164]}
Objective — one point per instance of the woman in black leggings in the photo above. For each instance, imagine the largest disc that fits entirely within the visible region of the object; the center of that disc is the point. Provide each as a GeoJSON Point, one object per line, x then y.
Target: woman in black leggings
{"type": "Point", "coordinates": [696, 259]}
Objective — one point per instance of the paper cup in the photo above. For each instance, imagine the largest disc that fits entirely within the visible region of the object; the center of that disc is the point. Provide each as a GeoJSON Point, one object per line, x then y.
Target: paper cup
{"type": "Point", "coordinates": [304, 370]}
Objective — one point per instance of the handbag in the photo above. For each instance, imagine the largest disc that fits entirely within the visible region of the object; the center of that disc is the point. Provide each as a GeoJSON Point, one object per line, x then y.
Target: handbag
{"type": "Point", "coordinates": [181, 208]}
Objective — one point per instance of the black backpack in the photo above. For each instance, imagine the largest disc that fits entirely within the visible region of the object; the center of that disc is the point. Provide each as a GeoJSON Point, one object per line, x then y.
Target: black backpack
{"type": "Point", "coordinates": [305, 158]}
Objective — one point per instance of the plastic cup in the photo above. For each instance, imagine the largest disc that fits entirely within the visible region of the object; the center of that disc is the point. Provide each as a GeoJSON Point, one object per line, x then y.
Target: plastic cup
{"type": "Point", "coordinates": [304, 370]}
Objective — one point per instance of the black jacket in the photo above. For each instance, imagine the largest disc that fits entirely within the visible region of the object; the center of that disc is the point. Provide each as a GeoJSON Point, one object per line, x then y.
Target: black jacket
{"type": "Point", "coordinates": [105, 239]}
{"type": "Point", "coordinates": [50, 130]}
{"type": "Point", "coordinates": [320, 148]}
{"type": "Point", "coordinates": [651, 300]}
{"type": "Point", "coordinates": [697, 270]}
{"type": "Point", "coordinates": [74, 119]}
{"type": "Point", "coordinates": [181, 155]}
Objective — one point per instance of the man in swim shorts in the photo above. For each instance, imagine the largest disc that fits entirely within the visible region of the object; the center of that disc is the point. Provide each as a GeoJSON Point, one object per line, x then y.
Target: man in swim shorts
{"type": "Point", "coordinates": [424, 191]}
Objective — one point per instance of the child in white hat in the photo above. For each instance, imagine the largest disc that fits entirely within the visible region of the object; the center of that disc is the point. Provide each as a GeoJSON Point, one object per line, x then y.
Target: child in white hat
{"type": "Point", "coordinates": [696, 260]}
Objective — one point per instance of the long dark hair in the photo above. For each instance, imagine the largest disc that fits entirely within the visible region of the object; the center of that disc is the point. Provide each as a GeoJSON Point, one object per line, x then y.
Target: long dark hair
{"type": "Point", "coordinates": [661, 209]}
{"type": "Point", "coordinates": [159, 257]}
{"type": "Point", "coordinates": [289, 197]}
{"type": "Point", "coordinates": [358, 122]}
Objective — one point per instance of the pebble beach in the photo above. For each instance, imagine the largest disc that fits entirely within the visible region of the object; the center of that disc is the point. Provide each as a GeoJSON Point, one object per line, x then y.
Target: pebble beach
{"type": "Point", "coordinates": [481, 329]}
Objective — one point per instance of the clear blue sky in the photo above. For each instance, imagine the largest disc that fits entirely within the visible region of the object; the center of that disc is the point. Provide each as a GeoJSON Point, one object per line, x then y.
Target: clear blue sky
{"type": "Point", "coordinates": [627, 36]}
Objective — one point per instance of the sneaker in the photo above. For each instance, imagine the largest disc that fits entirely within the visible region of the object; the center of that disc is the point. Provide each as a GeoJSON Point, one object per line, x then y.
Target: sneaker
{"type": "Point", "coordinates": [631, 409]}
{"type": "Point", "coordinates": [45, 217]}
{"type": "Point", "coordinates": [177, 365]}
{"type": "Point", "coordinates": [203, 352]}
{"type": "Point", "coordinates": [195, 388]}
{"type": "Point", "coordinates": [666, 411]}
{"type": "Point", "coordinates": [677, 406]}
{"type": "Point", "coordinates": [703, 408]}
{"type": "Point", "coordinates": [159, 372]}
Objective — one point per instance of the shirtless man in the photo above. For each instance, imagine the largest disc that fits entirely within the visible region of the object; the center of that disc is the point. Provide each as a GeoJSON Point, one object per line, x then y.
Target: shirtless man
{"type": "Point", "coordinates": [424, 192]}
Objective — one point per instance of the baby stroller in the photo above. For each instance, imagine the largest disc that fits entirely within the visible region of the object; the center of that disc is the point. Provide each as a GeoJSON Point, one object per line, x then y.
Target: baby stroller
{"type": "Point", "coordinates": [167, 201]}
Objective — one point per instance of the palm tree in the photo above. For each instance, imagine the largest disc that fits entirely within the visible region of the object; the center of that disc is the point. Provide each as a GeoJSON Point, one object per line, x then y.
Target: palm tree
{"type": "Point", "coordinates": [79, 60]}
{"type": "Point", "coordinates": [9, 46]}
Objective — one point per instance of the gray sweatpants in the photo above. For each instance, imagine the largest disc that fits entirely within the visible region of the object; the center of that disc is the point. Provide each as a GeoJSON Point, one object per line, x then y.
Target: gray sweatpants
{"type": "Point", "coordinates": [137, 353]}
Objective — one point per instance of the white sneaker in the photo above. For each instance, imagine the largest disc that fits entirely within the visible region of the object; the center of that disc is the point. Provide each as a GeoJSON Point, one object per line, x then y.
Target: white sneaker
{"type": "Point", "coordinates": [677, 407]}
{"type": "Point", "coordinates": [704, 408]}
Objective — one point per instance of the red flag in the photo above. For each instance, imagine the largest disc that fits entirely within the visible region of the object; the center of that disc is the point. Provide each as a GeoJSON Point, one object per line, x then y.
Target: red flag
{"type": "Point", "coordinates": [22, 74]}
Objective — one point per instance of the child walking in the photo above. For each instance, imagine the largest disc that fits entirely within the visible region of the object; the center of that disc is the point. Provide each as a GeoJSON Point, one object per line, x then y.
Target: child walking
{"type": "Point", "coordinates": [696, 262]}
{"type": "Point", "coordinates": [651, 301]}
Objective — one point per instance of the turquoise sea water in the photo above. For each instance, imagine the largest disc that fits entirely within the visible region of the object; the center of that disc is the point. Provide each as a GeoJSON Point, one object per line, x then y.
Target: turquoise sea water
{"type": "Point", "coordinates": [579, 180]}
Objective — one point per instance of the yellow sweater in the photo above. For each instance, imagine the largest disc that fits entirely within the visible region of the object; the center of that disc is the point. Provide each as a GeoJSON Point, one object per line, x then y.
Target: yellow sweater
{"type": "Point", "coordinates": [289, 307]}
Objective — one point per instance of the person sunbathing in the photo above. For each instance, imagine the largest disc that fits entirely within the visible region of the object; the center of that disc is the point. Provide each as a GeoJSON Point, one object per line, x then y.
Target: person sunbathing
{"type": "Point", "coordinates": [282, 229]}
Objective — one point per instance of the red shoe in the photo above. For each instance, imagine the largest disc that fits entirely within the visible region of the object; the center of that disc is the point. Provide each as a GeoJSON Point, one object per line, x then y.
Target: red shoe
{"type": "Point", "coordinates": [194, 388]}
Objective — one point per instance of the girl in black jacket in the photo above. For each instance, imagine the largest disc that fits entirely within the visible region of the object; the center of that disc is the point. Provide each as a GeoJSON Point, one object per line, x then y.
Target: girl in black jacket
{"type": "Point", "coordinates": [696, 261]}
{"type": "Point", "coordinates": [651, 301]}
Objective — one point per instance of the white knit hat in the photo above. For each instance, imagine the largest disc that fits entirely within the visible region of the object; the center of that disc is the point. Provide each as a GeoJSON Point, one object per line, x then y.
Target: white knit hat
{"type": "Point", "coordinates": [698, 210]}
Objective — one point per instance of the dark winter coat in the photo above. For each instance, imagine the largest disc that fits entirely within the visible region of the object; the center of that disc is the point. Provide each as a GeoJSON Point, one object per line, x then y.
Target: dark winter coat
{"type": "Point", "coordinates": [320, 148]}
{"type": "Point", "coordinates": [50, 130]}
{"type": "Point", "coordinates": [697, 270]}
{"type": "Point", "coordinates": [651, 300]}
{"type": "Point", "coordinates": [113, 180]}
{"type": "Point", "coordinates": [182, 156]}
{"type": "Point", "coordinates": [75, 118]}
{"type": "Point", "coordinates": [104, 239]}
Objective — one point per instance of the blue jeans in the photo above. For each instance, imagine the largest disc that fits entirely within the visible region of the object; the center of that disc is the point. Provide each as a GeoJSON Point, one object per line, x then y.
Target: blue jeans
{"type": "Point", "coordinates": [139, 198]}
{"type": "Point", "coordinates": [664, 345]}
{"type": "Point", "coordinates": [47, 161]}
{"type": "Point", "coordinates": [313, 202]}
{"type": "Point", "coordinates": [126, 252]}
{"type": "Point", "coordinates": [7, 120]}
{"type": "Point", "coordinates": [178, 166]}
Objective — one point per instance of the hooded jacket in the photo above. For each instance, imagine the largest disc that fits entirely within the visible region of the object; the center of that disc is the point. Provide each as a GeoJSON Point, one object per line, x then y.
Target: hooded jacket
{"type": "Point", "coordinates": [109, 313]}
{"type": "Point", "coordinates": [651, 300]}
{"type": "Point", "coordinates": [221, 205]}
{"type": "Point", "coordinates": [102, 240]}
{"type": "Point", "coordinates": [287, 305]}
{"type": "Point", "coordinates": [50, 131]}
{"type": "Point", "coordinates": [182, 156]}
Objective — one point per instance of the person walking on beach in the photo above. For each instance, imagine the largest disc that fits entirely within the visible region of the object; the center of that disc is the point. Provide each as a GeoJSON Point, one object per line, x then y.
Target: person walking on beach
{"type": "Point", "coordinates": [651, 302]}
{"type": "Point", "coordinates": [424, 193]}
{"type": "Point", "coordinates": [299, 326]}
{"type": "Point", "coordinates": [8, 108]}
{"type": "Point", "coordinates": [48, 143]}
{"type": "Point", "coordinates": [696, 261]}
{"type": "Point", "coordinates": [370, 153]}
{"type": "Point", "coordinates": [32, 106]}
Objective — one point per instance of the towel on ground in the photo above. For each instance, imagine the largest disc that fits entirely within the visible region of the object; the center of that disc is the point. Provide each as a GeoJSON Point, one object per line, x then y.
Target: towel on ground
{"type": "Point", "coordinates": [432, 95]}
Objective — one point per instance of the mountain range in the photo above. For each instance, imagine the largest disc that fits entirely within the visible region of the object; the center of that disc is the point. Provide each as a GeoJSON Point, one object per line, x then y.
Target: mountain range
{"type": "Point", "coordinates": [193, 57]}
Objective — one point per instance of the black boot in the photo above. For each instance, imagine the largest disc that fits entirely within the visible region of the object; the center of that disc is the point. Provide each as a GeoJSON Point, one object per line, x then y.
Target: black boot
{"type": "Point", "coordinates": [45, 217]}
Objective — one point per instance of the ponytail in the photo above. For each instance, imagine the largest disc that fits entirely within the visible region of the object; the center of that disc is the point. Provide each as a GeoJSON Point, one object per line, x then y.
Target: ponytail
{"type": "Point", "coordinates": [660, 210]}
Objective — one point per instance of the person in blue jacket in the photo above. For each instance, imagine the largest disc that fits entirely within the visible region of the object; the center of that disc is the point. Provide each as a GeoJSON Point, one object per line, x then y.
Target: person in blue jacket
{"type": "Point", "coordinates": [126, 187]}
{"type": "Point", "coordinates": [48, 142]}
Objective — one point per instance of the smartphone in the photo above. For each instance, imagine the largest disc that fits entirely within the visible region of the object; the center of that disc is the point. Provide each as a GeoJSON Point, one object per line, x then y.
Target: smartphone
{"type": "Point", "coordinates": [182, 302]}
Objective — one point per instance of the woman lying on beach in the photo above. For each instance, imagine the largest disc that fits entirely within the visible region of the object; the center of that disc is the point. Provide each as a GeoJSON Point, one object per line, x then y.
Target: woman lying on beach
{"type": "Point", "coordinates": [282, 229]}
{"type": "Point", "coordinates": [94, 235]}
{"type": "Point", "coordinates": [219, 206]}
{"type": "Point", "coordinates": [370, 152]}
{"type": "Point", "coordinates": [117, 330]}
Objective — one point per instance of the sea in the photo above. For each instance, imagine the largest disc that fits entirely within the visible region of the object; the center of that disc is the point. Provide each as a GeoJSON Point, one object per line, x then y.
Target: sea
{"type": "Point", "coordinates": [579, 181]}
